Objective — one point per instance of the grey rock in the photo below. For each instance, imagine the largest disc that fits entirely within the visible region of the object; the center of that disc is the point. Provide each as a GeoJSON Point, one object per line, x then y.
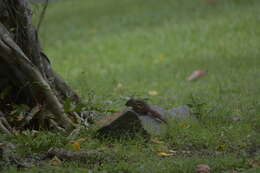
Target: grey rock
{"type": "Point", "coordinates": [179, 113]}
{"type": "Point", "coordinates": [236, 118]}
{"type": "Point", "coordinates": [152, 126]}
{"type": "Point", "coordinates": [155, 128]}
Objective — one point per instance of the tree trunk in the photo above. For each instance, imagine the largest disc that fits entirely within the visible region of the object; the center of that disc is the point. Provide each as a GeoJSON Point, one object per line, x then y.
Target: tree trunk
{"type": "Point", "coordinates": [26, 76]}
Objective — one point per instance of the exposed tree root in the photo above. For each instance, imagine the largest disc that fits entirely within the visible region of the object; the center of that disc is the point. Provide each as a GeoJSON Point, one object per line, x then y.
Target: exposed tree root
{"type": "Point", "coordinates": [14, 56]}
{"type": "Point", "coordinates": [25, 71]}
{"type": "Point", "coordinates": [4, 125]}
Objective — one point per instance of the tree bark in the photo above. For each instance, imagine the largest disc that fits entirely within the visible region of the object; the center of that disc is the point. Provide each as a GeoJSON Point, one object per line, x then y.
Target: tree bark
{"type": "Point", "coordinates": [25, 71]}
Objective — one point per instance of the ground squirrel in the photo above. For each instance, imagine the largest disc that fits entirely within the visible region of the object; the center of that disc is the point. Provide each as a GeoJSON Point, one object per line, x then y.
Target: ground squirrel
{"type": "Point", "coordinates": [143, 108]}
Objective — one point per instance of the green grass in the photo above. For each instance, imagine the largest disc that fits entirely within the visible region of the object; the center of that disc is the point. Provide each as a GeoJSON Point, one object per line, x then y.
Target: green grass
{"type": "Point", "coordinates": [155, 45]}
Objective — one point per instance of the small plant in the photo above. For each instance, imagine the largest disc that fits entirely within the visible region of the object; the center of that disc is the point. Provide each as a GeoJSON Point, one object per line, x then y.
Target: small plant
{"type": "Point", "coordinates": [70, 106]}
{"type": "Point", "coordinates": [31, 142]}
{"type": "Point", "coordinates": [199, 108]}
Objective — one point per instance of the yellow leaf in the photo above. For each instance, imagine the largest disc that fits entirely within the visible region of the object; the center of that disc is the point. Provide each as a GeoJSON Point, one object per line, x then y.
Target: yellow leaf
{"type": "Point", "coordinates": [76, 145]}
{"type": "Point", "coordinates": [185, 126]}
{"type": "Point", "coordinates": [202, 168]}
{"type": "Point", "coordinates": [55, 161]}
{"type": "Point", "coordinates": [162, 58]}
{"type": "Point", "coordinates": [163, 154]}
{"type": "Point", "coordinates": [119, 85]}
{"type": "Point", "coordinates": [221, 147]}
{"type": "Point", "coordinates": [152, 92]}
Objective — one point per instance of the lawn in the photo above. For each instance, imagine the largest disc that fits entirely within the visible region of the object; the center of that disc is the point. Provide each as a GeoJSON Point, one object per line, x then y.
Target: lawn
{"type": "Point", "coordinates": [153, 45]}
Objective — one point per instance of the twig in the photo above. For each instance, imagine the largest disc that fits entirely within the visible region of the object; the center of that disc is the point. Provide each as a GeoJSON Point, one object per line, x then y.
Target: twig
{"type": "Point", "coordinates": [56, 126]}
{"type": "Point", "coordinates": [30, 116]}
{"type": "Point", "coordinates": [42, 15]}
{"type": "Point", "coordinates": [73, 135]}
{"type": "Point", "coordinates": [75, 155]}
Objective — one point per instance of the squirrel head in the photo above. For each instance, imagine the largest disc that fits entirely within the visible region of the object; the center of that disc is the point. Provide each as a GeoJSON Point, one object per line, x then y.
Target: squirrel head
{"type": "Point", "coordinates": [130, 102]}
{"type": "Point", "coordinates": [135, 103]}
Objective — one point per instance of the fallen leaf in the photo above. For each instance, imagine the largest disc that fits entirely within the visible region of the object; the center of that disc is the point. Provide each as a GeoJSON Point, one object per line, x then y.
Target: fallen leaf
{"type": "Point", "coordinates": [254, 163]}
{"type": "Point", "coordinates": [236, 118]}
{"type": "Point", "coordinates": [221, 147]}
{"type": "Point", "coordinates": [202, 168]}
{"type": "Point", "coordinates": [82, 139]}
{"type": "Point", "coordinates": [162, 58]}
{"type": "Point", "coordinates": [20, 117]}
{"type": "Point", "coordinates": [163, 154]}
{"type": "Point", "coordinates": [55, 161]}
{"type": "Point", "coordinates": [76, 145]}
{"type": "Point", "coordinates": [119, 85]}
{"type": "Point", "coordinates": [197, 74]}
{"type": "Point", "coordinates": [152, 92]}
{"type": "Point", "coordinates": [185, 126]}
{"type": "Point", "coordinates": [93, 30]}
{"type": "Point", "coordinates": [173, 151]}
{"type": "Point", "coordinates": [156, 141]}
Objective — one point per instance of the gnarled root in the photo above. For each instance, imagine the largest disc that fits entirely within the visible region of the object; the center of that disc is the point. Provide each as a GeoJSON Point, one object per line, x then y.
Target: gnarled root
{"type": "Point", "coordinates": [4, 125]}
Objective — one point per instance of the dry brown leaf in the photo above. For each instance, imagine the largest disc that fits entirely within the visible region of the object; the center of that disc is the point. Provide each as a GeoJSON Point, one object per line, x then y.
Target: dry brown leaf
{"type": "Point", "coordinates": [202, 168]}
{"type": "Point", "coordinates": [197, 74]}
{"type": "Point", "coordinates": [254, 163]}
{"type": "Point", "coordinates": [82, 139]}
{"type": "Point", "coordinates": [19, 117]}
{"type": "Point", "coordinates": [119, 85]}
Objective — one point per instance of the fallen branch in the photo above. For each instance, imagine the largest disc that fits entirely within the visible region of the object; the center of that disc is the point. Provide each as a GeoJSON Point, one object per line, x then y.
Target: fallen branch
{"type": "Point", "coordinates": [56, 126]}
{"type": "Point", "coordinates": [68, 155]}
